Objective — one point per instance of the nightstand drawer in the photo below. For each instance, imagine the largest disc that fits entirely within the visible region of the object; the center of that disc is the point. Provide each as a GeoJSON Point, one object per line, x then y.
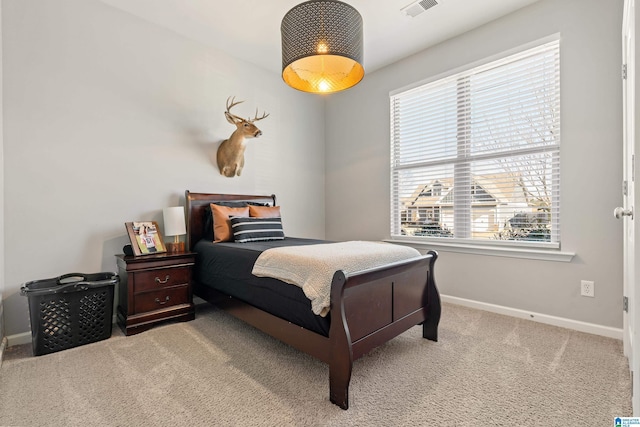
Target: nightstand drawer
{"type": "Point", "coordinates": [160, 299]}
{"type": "Point", "coordinates": [161, 278]}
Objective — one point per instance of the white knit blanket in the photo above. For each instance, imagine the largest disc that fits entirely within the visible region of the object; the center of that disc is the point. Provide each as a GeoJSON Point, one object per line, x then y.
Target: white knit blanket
{"type": "Point", "coordinates": [312, 267]}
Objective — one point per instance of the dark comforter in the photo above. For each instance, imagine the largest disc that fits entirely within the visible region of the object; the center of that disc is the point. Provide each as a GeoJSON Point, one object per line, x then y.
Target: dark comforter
{"type": "Point", "coordinates": [227, 267]}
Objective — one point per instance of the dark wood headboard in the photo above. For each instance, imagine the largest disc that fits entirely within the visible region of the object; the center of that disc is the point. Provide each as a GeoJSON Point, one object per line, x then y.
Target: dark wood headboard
{"type": "Point", "coordinates": [197, 202]}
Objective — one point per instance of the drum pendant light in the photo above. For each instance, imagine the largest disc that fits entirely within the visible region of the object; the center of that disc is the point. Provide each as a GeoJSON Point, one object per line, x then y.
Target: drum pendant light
{"type": "Point", "coordinates": [322, 46]}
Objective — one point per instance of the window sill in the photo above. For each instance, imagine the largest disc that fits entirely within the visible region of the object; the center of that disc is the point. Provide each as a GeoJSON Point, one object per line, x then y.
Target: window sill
{"type": "Point", "coordinates": [509, 252]}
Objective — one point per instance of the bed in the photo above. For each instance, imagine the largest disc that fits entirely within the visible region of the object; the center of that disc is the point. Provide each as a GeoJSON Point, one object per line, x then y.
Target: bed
{"type": "Point", "coordinates": [367, 308]}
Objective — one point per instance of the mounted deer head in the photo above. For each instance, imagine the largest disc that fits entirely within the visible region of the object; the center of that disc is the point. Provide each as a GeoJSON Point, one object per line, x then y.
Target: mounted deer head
{"type": "Point", "coordinates": [230, 154]}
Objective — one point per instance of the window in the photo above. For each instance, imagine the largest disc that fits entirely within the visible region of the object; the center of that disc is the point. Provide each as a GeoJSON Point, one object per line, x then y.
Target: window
{"type": "Point", "coordinates": [476, 155]}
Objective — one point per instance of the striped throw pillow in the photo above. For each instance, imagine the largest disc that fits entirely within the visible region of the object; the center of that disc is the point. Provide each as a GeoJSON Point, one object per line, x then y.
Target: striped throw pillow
{"type": "Point", "coordinates": [246, 229]}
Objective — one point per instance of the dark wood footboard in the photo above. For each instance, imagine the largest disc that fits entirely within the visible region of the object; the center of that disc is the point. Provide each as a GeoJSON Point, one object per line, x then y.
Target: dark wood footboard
{"type": "Point", "coordinates": [373, 306]}
{"type": "Point", "coordinates": [368, 308]}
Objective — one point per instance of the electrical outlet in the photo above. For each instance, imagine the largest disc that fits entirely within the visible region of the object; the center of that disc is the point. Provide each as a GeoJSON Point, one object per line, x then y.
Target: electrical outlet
{"type": "Point", "coordinates": [587, 288]}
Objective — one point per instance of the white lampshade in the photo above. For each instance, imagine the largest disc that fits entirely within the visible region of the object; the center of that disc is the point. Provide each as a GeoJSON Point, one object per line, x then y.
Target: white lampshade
{"type": "Point", "coordinates": [174, 221]}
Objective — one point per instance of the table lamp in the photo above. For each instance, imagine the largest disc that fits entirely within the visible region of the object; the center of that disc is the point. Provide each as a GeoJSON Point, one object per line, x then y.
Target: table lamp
{"type": "Point", "coordinates": [174, 226]}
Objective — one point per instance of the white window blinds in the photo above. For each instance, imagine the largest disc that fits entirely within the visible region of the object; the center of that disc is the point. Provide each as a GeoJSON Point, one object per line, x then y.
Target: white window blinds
{"type": "Point", "coordinates": [476, 155]}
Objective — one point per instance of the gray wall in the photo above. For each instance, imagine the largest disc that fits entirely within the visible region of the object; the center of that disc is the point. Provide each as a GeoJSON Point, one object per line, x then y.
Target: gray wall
{"type": "Point", "coordinates": [357, 161]}
{"type": "Point", "coordinates": [109, 119]}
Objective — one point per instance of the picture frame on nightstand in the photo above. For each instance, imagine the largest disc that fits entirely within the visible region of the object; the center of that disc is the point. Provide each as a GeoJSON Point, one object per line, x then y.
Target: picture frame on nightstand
{"type": "Point", "coordinates": [145, 238]}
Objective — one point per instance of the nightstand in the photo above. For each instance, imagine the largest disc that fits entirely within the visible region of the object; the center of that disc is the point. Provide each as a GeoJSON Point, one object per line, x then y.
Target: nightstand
{"type": "Point", "coordinates": [154, 288]}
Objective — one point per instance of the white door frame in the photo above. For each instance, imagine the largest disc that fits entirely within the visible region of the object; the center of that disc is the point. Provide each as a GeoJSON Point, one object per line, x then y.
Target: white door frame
{"type": "Point", "coordinates": [631, 256]}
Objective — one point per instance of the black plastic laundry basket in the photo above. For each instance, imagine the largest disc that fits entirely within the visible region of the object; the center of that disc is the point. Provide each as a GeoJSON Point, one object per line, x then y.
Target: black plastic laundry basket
{"type": "Point", "coordinates": [70, 310]}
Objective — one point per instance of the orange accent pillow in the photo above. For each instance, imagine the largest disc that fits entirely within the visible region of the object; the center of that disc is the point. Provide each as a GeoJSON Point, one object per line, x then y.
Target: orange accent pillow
{"type": "Point", "coordinates": [264, 211]}
{"type": "Point", "coordinates": [221, 224]}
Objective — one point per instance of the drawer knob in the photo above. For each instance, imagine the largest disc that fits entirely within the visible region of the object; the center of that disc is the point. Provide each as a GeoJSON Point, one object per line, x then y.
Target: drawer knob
{"type": "Point", "coordinates": [162, 302]}
{"type": "Point", "coordinates": [162, 282]}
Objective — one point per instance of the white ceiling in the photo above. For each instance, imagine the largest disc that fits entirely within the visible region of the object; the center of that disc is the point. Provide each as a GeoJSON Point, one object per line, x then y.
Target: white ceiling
{"type": "Point", "coordinates": [250, 29]}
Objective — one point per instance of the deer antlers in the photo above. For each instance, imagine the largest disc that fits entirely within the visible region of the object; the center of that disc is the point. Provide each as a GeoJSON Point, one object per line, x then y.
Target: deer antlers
{"type": "Point", "coordinates": [234, 103]}
{"type": "Point", "coordinates": [256, 118]}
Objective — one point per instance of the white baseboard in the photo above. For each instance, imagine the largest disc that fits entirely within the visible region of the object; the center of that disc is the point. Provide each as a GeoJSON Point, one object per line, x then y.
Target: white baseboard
{"type": "Point", "coordinates": [3, 347]}
{"type": "Point", "coordinates": [25, 337]}
{"type": "Point", "coordinates": [590, 328]}
{"type": "Point", "coordinates": [17, 339]}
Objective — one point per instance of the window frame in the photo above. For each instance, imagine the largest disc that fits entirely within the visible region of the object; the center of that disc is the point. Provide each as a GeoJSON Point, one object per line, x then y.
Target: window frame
{"type": "Point", "coordinates": [516, 248]}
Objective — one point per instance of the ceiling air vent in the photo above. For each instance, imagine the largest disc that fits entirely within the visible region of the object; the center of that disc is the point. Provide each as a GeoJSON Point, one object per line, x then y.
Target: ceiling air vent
{"type": "Point", "coordinates": [417, 7]}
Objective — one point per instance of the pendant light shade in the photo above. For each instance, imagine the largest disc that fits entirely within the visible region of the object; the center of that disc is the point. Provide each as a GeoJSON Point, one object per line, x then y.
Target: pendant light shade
{"type": "Point", "coordinates": [322, 46]}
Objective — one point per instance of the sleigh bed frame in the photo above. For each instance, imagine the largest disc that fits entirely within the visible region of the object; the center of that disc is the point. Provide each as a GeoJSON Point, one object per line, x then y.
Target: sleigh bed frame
{"type": "Point", "coordinates": [367, 308]}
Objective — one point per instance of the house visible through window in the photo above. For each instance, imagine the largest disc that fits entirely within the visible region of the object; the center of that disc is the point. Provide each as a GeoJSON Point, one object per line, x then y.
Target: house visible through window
{"type": "Point", "coordinates": [476, 155]}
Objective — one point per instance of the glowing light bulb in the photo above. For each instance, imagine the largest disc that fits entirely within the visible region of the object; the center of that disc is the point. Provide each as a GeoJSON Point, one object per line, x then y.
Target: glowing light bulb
{"type": "Point", "coordinates": [323, 48]}
{"type": "Point", "coordinates": [323, 86]}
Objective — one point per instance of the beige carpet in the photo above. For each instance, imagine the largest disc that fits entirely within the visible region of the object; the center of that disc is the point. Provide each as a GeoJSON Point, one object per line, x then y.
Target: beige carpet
{"type": "Point", "coordinates": [486, 370]}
